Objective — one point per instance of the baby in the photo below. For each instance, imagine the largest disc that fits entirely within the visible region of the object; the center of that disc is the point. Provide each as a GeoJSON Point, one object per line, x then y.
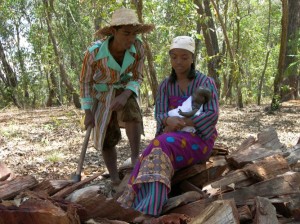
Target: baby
{"type": "Point", "coordinates": [192, 106]}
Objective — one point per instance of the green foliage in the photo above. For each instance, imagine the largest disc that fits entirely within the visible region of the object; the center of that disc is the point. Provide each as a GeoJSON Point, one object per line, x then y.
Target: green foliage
{"type": "Point", "coordinates": [74, 22]}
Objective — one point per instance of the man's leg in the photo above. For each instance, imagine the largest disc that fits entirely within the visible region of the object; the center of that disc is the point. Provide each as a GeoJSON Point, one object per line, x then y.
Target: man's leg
{"type": "Point", "coordinates": [133, 132]}
{"type": "Point", "coordinates": [109, 153]}
{"type": "Point", "coordinates": [110, 160]}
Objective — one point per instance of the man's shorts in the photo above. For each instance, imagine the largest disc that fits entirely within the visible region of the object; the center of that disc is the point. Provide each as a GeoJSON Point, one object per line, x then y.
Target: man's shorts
{"type": "Point", "coordinates": [130, 113]}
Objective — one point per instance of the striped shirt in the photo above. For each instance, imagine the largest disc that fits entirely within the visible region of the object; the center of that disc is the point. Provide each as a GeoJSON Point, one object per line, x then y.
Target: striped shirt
{"type": "Point", "coordinates": [100, 67]}
{"type": "Point", "coordinates": [205, 123]}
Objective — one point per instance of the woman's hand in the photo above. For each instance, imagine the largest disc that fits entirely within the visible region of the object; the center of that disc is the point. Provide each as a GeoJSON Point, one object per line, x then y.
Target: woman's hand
{"type": "Point", "coordinates": [175, 123]}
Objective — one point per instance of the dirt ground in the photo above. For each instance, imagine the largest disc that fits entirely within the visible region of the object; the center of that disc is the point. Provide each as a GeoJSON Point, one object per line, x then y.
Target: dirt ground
{"type": "Point", "coordinates": [46, 143]}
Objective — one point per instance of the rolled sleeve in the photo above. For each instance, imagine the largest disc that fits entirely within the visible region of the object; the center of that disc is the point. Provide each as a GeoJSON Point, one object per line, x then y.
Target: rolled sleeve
{"type": "Point", "coordinates": [86, 80]}
{"type": "Point", "coordinates": [134, 86]}
{"type": "Point", "coordinates": [137, 70]}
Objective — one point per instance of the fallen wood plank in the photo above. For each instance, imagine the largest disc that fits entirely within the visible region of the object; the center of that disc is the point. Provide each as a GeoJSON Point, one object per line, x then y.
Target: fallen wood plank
{"type": "Point", "coordinates": [265, 212]}
{"type": "Point", "coordinates": [186, 186]}
{"type": "Point", "coordinates": [282, 185]}
{"type": "Point", "coordinates": [66, 191]}
{"type": "Point", "coordinates": [185, 173]}
{"type": "Point", "coordinates": [98, 206]}
{"type": "Point", "coordinates": [35, 211]}
{"type": "Point", "coordinates": [52, 186]}
{"type": "Point", "coordinates": [221, 212]}
{"type": "Point", "coordinates": [267, 144]}
{"type": "Point", "coordinates": [192, 209]}
{"type": "Point", "coordinates": [230, 178]}
{"type": "Point", "coordinates": [10, 189]}
{"type": "Point", "coordinates": [207, 176]}
{"type": "Point", "coordinates": [182, 199]}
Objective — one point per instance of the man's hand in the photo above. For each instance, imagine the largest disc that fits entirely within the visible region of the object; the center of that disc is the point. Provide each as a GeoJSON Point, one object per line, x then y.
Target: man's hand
{"type": "Point", "coordinates": [89, 119]}
{"type": "Point", "coordinates": [119, 102]}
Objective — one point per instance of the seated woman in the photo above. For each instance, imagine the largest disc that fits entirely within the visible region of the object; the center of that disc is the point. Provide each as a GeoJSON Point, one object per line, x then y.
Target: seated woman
{"type": "Point", "coordinates": [150, 181]}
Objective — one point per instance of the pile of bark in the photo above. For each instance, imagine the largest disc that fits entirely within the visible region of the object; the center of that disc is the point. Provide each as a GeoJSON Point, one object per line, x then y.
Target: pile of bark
{"type": "Point", "coordinates": [257, 183]}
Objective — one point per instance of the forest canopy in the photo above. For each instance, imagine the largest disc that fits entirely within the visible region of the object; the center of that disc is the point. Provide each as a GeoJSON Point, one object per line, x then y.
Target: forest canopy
{"type": "Point", "coordinates": [251, 48]}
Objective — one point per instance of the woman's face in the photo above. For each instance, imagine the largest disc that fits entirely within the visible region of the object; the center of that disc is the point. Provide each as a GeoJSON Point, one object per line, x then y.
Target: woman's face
{"type": "Point", "coordinates": [181, 60]}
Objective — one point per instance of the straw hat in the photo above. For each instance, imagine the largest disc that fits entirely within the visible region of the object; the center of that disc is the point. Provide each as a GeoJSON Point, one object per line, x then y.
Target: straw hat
{"type": "Point", "coordinates": [183, 42]}
{"type": "Point", "coordinates": [122, 17]}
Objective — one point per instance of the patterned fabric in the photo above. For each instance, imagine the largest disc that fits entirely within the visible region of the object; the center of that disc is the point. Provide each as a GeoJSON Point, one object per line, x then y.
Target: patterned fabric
{"type": "Point", "coordinates": [150, 181]}
{"type": "Point", "coordinates": [101, 75]}
{"type": "Point", "coordinates": [149, 203]}
{"type": "Point", "coordinates": [205, 122]}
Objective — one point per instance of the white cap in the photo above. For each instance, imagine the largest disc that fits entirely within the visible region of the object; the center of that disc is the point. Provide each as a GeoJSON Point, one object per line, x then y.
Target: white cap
{"type": "Point", "coordinates": [183, 42]}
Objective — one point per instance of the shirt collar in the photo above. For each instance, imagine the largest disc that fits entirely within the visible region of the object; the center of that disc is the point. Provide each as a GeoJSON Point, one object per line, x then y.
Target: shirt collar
{"type": "Point", "coordinates": [104, 50]}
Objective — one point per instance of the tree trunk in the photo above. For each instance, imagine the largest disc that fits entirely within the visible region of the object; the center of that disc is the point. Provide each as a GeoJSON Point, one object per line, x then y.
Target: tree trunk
{"type": "Point", "coordinates": [9, 78]}
{"type": "Point", "coordinates": [153, 80]}
{"type": "Point", "coordinates": [291, 66]}
{"type": "Point", "coordinates": [24, 75]}
{"type": "Point", "coordinates": [281, 62]}
{"type": "Point", "coordinates": [58, 55]}
{"type": "Point", "coordinates": [262, 78]}
{"type": "Point", "coordinates": [233, 79]}
{"type": "Point", "coordinates": [210, 39]}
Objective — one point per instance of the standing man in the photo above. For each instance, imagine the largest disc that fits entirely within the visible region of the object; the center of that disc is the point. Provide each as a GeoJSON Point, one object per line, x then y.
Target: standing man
{"type": "Point", "coordinates": [111, 75]}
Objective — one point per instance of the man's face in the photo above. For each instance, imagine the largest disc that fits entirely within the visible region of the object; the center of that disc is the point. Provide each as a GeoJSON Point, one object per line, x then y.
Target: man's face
{"type": "Point", "coordinates": [125, 35]}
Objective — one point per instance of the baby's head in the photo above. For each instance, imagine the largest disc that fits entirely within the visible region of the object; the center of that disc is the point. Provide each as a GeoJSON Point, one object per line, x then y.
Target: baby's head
{"type": "Point", "coordinates": [201, 95]}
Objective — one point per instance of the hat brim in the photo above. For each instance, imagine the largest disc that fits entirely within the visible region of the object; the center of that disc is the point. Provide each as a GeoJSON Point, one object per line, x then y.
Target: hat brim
{"type": "Point", "coordinates": [141, 28]}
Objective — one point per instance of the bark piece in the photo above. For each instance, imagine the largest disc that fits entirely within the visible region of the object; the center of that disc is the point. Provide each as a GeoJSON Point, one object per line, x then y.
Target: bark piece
{"type": "Point", "coordinates": [98, 206]}
{"type": "Point", "coordinates": [244, 214]}
{"type": "Point", "coordinates": [294, 206]}
{"type": "Point", "coordinates": [265, 211]}
{"type": "Point", "coordinates": [282, 185]}
{"type": "Point", "coordinates": [66, 191]}
{"type": "Point", "coordinates": [104, 220]}
{"type": "Point", "coordinates": [294, 155]}
{"type": "Point", "coordinates": [220, 149]}
{"type": "Point", "coordinates": [12, 188]}
{"type": "Point", "coordinates": [52, 186]}
{"type": "Point", "coordinates": [5, 173]}
{"type": "Point", "coordinates": [267, 144]}
{"type": "Point", "coordinates": [267, 168]}
{"type": "Point", "coordinates": [165, 219]}
{"type": "Point", "coordinates": [221, 212]}
{"type": "Point", "coordinates": [35, 211]}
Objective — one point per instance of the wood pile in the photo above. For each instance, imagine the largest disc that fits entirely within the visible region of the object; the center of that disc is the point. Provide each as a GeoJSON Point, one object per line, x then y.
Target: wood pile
{"type": "Point", "coordinates": [257, 183]}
